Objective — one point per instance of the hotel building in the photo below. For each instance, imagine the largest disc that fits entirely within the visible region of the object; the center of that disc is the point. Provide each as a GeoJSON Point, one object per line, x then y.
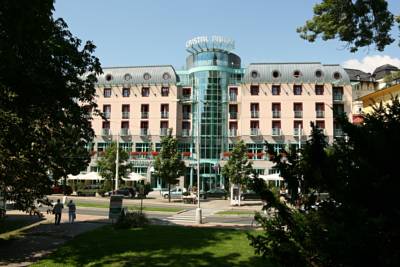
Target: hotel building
{"type": "Point", "coordinates": [272, 102]}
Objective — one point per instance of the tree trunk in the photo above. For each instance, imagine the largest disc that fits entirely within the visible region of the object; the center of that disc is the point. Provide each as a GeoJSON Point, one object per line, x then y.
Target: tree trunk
{"type": "Point", "coordinates": [169, 192]}
{"type": "Point", "coordinates": [232, 203]}
{"type": "Point", "coordinates": [239, 195]}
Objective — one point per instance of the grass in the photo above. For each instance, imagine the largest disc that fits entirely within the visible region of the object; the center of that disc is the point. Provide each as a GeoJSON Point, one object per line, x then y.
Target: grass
{"type": "Point", "coordinates": [157, 246]}
{"type": "Point", "coordinates": [236, 212]}
{"type": "Point", "coordinates": [130, 207]}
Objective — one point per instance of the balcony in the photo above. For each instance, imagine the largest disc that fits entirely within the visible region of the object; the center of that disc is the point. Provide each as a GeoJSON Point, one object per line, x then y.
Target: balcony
{"type": "Point", "coordinates": [232, 97]}
{"type": "Point", "coordinates": [144, 132]}
{"type": "Point", "coordinates": [276, 114]}
{"type": "Point", "coordinates": [297, 131]}
{"type": "Point", "coordinates": [105, 132]}
{"type": "Point", "coordinates": [337, 132]}
{"type": "Point", "coordinates": [185, 132]}
{"type": "Point", "coordinates": [276, 132]}
{"type": "Point", "coordinates": [164, 114]}
{"type": "Point", "coordinates": [125, 115]}
{"type": "Point", "coordinates": [145, 115]}
{"type": "Point", "coordinates": [163, 131]}
{"type": "Point", "coordinates": [320, 113]}
{"type": "Point", "coordinates": [232, 132]}
{"type": "Point", "coordinates": [337, 97]}
{"type": "Point", "coordinates": [298, 114]}
{"type": "Point", "coordinates": [254, 131]}
{"type": "Point", "coordinates": [186, 97]}
{"type": "Point", "coordinates": [106, 114]}
{"type": "Point", "coordinates": [233, 115]}
{"type": "Point", "coordinates": [186, 115]}
{"type": "Point", "coordinates": [125, 132]}
{"type": "Point", "coordinates": [254, 114]}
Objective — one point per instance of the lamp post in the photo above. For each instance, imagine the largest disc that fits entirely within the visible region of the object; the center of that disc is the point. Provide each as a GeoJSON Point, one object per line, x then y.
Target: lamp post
{"type": "Point", "coordinates": [198, 210]}
{"type": "Point", "coordinates": [117, 164]}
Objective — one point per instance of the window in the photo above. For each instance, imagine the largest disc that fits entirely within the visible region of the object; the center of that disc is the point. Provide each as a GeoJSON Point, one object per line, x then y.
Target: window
{"type": "Point", "coordinates": [124, 124]}
{"type": "Point", "coordinates": [107, 92]}
{"type": "Point", "coordinates": [164, 111]}
{"type": "Point", "coordinates": [144, 124]}
{"type": "Point", "coordinates": [125, 111]}
{"type": "Point", "coordinates": [144, 109]}
{"type": "Point", "coordinates": [126, 92]}
{"type": "Point", "coordinates": [319, 89]}
{"type": "Point", "coordinates": [338, 109]}
{"type": "Point", "coordinates": [254, 74]}
{"type": "Point", "coordinates": [337, 75]}
{"type": "Point", "coordinates": [186, 92]}
{"type": "Point", "coordinates": [186, 112]}
{"type": "Point", "coordinates": [107, 111]}
{"type": "Point", "coordinates": [276, 90]}
{"type": "Point", "coordinates": [106, 125]}
{"type": "Point", "coordinates": [297, 128]}
{"type": "Point", "coordinates": [164, 124]}
{"type": "Point", "coordinates": [166, 76]}
{"type": "Point", "coordinates": [254, 110]}
{"type": "Point", "coordinates": [233, 92]}
{"type": "Point", "coordinates": [320, 124]}
{"type": "Point", "coordinates": [275, 74]}
{"type": "Point", "coordinates": [186, 125]}
{"type": "Point", "coordinates": [164, 91]}
{"type": "Point", "coordinates": [320, 110]}
{"type": "Point", "coordinates": [145, 91]}
{"type": "Point", "coordinates": [297, 89]}
{"type": "Point", "coordinates": [127, 77]}
{"type": "Point", "coordinates": [108, 77]}
{"type": "Point", "coordinates": [254, 125]}
{"type": "Point", "coordinates": [296, 74]}
{"type": "Point", "coordinates": [318, 73]}
{"type": "Point", "coordinates": [276, 128]}
{"type": "Point", "coordinates": [233, 110]}
{"type": "Point", "coordinates": [254, 89]}
{"type": "Point", "coordinates": [298, 110]}
{"type": "Point", "coordinates": [276, 110]}
{"type": "Point", "coordinates": [146, 76]}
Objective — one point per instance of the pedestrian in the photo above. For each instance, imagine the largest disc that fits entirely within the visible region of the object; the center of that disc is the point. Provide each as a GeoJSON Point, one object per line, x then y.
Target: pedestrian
{"type": "Point", "coordinates": [57, 210]}
{"type": "Point", "coordinates": [71, 211]}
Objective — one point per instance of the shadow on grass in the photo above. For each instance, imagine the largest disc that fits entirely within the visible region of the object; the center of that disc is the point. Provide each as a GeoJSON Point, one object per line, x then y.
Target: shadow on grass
{"type": "Point", "coordinates": [157, 246]}
{"type": "Point", "coordinates": [16, 221]}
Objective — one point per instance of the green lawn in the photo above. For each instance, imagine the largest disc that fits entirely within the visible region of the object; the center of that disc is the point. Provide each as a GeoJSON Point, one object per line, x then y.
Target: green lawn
{"type": "Point", "coordinates": [131, 207]}
{"type": "Point", "coordinates": [157, 246]}
{"type": "Point", "coordinates": [236, 212]}
{"type": "Point", "coordinates": [8, 224]}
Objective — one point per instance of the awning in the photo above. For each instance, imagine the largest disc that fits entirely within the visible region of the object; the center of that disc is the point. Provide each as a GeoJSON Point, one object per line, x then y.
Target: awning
{"type": "Point", "coordinates": [271, 177]}
{"type": "Point", "coordinates": [92, 176]}
{"type": "Point", "coordinates": [134, 177]}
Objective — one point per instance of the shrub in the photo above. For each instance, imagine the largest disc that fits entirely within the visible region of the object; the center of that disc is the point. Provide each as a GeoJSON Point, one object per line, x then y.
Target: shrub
{"type": "Point", "coordinates": [131, 220]}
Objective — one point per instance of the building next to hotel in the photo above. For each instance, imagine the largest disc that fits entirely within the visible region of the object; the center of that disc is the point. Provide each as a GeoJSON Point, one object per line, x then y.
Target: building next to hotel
{"type": "Point", "coordinates": [272, 102]}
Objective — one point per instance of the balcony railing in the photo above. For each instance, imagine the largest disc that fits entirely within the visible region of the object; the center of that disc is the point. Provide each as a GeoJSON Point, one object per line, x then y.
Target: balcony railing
{"type": "Point", "coordinates": [164, 114]}
{"type": "Point", "coordinates": [125, 132]}
{"type": "Point", "coordinates": [232, 132]}
{"type": "Point", "coordinates": [186, 96]}
{"type": "Point", "coordinates": [276, 131]}
{"type": "Point", "coordinates": [297, 131]}
{"type": "Point", "coordinates": [163, 131]}
{"type": "Point", "coordinates": [144, 132]}
{"type": "Point", "coordinates": [186, 115]}
{"type": "Point", "coordinates": [254, 131]}
{"type": "Point", "coordinates": [320, 113]}
{"type": "Point", "coordinates": [338, 132]}
{"type": "Point", "coordinates": [276, 114]}
{"type": "Point", "coordinates": [254, 114]}
{"type": "Point", "coordinates": [125, 115]}
{"type": "Point", "coordinates": [145, 115]}
{"type": "Point", "coordinates": [106, 114]}
{"type": "Point", "coordinates": [298, 114]}
{"type": "Point", "coordinates": [233, 115]}
{"type": "Point", "coordinates": [232, 97]}
{"type": "Point", "coordinates": [185, 132]}
{"type": "Point", "coordinates": [337, 97]}
{"type": "Point", "coordinates": [105, 132]}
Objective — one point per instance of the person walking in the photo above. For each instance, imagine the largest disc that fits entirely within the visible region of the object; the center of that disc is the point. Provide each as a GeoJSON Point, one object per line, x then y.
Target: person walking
{"type": "Point", "coordinates": [71, 211]}
{"type": "Point", "coordinates": [58, 211]}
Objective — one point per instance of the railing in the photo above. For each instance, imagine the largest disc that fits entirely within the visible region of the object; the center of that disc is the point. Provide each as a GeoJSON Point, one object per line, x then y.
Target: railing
{"type": "Point", "coordinates": [105, 132]}
{"type": "Point", "coordinates": [297, 131]}
{"type": "Point", "coordinates": [124, 132]}
{"type": "Point", "coordinates": [298, 114]}
{"type": "Point", "coordinates": [145, 115]}
{"type": "Point", "coordinates": [232, 97]}
{"type": "Point", "coordinates": [337, 97]}
{"type": "Point", "coordinates": [186, 96]}
{"type": "Point", "coordinates": [144, 132]}
{"type": "Point", "coordinates": [164, 114]}
{"type": "Point", "coordinates": [232, 132]}
{"type": "Point", "coordinates": [106, 114]}
{"type": "Point", "coordinates": [276, 114]}
{"type": "Point", "coordinates": [320, 113]}
{"type": "Point", "coordinates": [185, 132]}
{"type": "Point", "coordinates": [186, 115]}
{"type": "Point", "coordinates": [254, 114]}
{"type": "Point", "coordinates": [254, 131]}
{"type": "Point", "coordinates": [125, 115]}
{"type": "Point", "coordinates": [276, 131]}
{"type": "Point", "coordinates": [337, 132]}
{"type": "Point", "coordinates": [163, 131]}
{"type": "Point", "coordinates": [233, 115]}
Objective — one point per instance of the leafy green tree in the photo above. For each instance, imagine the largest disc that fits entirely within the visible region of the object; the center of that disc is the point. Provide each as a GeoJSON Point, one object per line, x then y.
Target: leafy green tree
{"type": "Point", "coordinates": [238, 168]}
{"type": "Point", "coordinates": [107, 166]}
{"type": "Point", "coordinates": [168, 165]}
{"type": "Point", "coordinates": [358, 23]}
{"type": "Point", "coordinates": [356, 225]}
{"type": "Point", "coordinates": [46, 77]}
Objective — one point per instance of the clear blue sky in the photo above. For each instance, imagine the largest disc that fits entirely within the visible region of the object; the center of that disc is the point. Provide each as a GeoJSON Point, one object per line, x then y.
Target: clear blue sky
{"type": "Point", "coordinates": [132, 32]}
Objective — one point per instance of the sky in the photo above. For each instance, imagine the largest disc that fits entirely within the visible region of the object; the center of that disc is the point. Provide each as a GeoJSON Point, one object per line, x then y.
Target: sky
{"type": "Point", "coordinates": [154, 32]}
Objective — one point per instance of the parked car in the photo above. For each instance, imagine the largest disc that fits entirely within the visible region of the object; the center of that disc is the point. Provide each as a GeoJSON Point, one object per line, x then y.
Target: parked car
{"type": "Point", "coordinates": [92, 186]}
{"type": "Point", "coordinates": [215, 193]}
{"type": "Point", "coordinates": [176, 192]}
{"type": "Point", "coordinates": [249, 195]}
{"type": "Point", "coordinates": [59, 189]}
{"type": "Point", "coordinates": [126, 192]}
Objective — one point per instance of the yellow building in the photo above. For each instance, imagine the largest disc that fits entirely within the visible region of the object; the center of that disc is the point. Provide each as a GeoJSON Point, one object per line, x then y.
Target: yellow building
{"type": "Point", "coordinates": [384, 95]}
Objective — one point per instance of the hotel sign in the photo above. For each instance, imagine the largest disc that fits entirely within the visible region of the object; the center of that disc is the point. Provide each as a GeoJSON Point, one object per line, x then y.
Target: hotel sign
{"type": "Point", "coordinates": [203, 43]}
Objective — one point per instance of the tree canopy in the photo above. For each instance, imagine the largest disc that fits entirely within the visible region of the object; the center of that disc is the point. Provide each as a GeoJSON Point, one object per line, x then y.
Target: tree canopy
{"type": "Point", "coordinates": [358, 23]}
{"type": "Point", "coordinates": [46, 76]}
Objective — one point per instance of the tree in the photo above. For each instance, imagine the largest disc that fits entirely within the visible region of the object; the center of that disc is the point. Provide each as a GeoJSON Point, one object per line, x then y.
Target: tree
{"type": "Point", "coordinates": [46, 76]}
{"type": "Point", "coordinates": [168, 165]}
{"type": "Point", "coordinates": [359, 23]}
{"type": "Point", "coordinates": [238, 168]}
{"type": "Point", "coordinates": [356, 225]}
{"type": "Point", "coordinates": [107, 166]}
